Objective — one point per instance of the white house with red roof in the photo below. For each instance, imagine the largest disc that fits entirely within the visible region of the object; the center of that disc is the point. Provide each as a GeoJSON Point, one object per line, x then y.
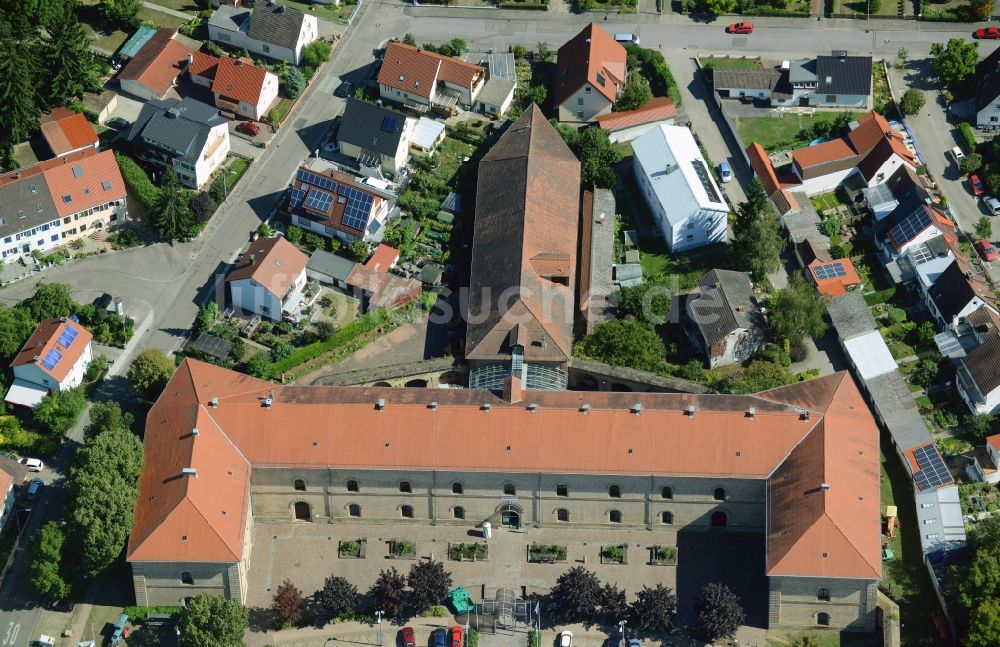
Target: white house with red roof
{"type": "Point", "coordinates": [268, 278]}
{"type": "Point", "coordinates": [423, 80]}
{"type": "Point", "coordinates": [67, 132]}
{"type": "Point", "coordinates": [89, 194]}
{"type": "Point", "coordinates": [590, 74]}
{"type": "Point", "coordinates": [54, 358]}
{"type": "Point", "coordinates": [239, 86]}
{"type": "Point", "coordinates": [155, 69]}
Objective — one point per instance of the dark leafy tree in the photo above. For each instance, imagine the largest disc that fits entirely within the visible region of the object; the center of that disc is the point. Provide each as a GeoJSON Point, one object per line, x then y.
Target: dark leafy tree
{"type": "Point", "coordinates": [598, 157]}
{"type": "Point", "coordinates": [718, 613]}
{"type": "Point", "coordinates": [537, 94]}
{"type": "Point", "coordinates": [979, 425]}
{"type": "Point", "coordinates": [124, 13]}
{"type": "Point", "coordinates": [16, 325]}
{"type": "Point", "coordinates": [173, 217]}
{"type": "Point", "coordinates": [429, 584]}
{"type": "Point", "coordinates": [984, 228]}
{"type": "Point", "coordinates": [51, 300]}
{"type": "Point", "coordinates": [926, 373]}
{"type": "Point", "coordinates": [59, 410]}
{"type": "Point", "coordinates": [150, 371]}
{"type": "Point", "coordinates": [259, 365]}
{"type": "Point", "coordinates": [543, 52]}
{"type": "Point", "coordinates": [295, 82]}
{"type": "Point", "coordinates": [912, 101]}
{"type": "Point", "coordinates": [202, 205]}
{"type": "Point", "coordinates": [208, 314]}
{"type": "Point", "coordinates": [18, 93]}
{"type": "Point", "coordinates": [654, 609]}
{"type": "Point", "coordinates": [409, 40]}
{"type": "Point", "coordinates": [797, 311]}
{"type": "Point", "coordinates": [955, 62]}
{"type": "Point", "coordinates": [614, 606]}
{"type": "Point", "coordinates": [70, 67]}
{"type": "Point", "coordinates": [104, 416]}
{"type": "Point", "coordinates": [359, 250]}
{"type": "Point", "coordinates": [972, 163]}
{"type": "Point", "coordinates": [388, 592]}
{"type": "Point", "coordinates": [212, 621]}
{"type": "Point", "coordinates": [649, 302]}
{"type": "Point", "coordinates": [459, 46]}
{"type": "Point", "coordinates": [287, 604]}
{"type": "Point", "coordinates": [625, 343]}
{"type": "Point", "coordinates": [982, 10]}
{"type": "Point", "coordinates": [46, 569]}
{"type": "Point", "coordinates": [577, 596]}
{"type": "Point", "coordinates": [338, 597]}
{"type": "Point", "coordinates": [636, 94]}
{"type": "Point", "coordinates": [757, 238]}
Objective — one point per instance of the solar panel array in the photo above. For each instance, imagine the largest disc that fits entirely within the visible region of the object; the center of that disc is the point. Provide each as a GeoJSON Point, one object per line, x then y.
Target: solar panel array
{"type": "Point", "coordinates": [702, 172]}
{"type": "Point", "coordinates": [296, 199]}
{"type": "Point", "coordinates": [359, 203]}
{"type": "Point", "coordinates": [831, 271]}
{"type": "Point", "coordinates": [912, 225]}
{"type": "Point", "coordinates": [389, 124]}
{"type": "Point", "coordinates": [933, 471]}
{"type": "Point", "coordinates": [51, 359]}
{"type": "Point", "coordinates": [319, 200]}
{"type": "Point", "coordinates": [67, 336]}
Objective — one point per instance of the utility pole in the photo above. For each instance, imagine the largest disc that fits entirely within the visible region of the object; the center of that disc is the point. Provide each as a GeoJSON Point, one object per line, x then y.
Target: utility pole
{"type": "Point", "coordinates": [621, 630]}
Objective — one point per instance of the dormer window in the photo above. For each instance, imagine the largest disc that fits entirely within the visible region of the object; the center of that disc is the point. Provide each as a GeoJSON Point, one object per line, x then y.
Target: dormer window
{"type": "Point", "coordinates": [586, 89]}
{"type": "Point", "coordinates": [416, 84]}
{"type": "Point", "coordinates": [402, 78]}
{"type": "Point", "coordinates": [601, 81]}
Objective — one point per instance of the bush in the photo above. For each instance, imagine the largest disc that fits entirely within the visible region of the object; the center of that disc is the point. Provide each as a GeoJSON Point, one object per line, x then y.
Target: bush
{"type": "Point", "coordinates": [968, 135]}
{"type": "Point", "coordinates": [138, 182]}
{"type": "Point", "coordinates": [295, 83]}
{"type": "Point", "coordinates": [897, 315]}
{"type": "Point", "coordinates": [346, 334]}
{"type": "Point", "coordinates": [658, 70]}
{"type": "Point", "coordinates": [137, 614]}
{"type": "Point", "coordinates": [316, 53]}
{"type": "Point", "coordinates": [880, 296]}
{"type": "Point", "coordinates": [912, 101]}
{"type": "Point", "coordinates": [125, 238]}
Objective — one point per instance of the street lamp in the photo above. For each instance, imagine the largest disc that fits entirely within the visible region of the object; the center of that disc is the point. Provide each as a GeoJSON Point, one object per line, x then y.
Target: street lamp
{"type": "Point", "coordinates": [176, 629]}
{"type": "Point", "coordinates": [621, 629]}
{"type": "Point", "coordinates": [378, 616]}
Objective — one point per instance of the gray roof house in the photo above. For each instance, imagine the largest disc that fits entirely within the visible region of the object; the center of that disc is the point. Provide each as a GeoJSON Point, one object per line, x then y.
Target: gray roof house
{"type": "Point", "coordinates": [837, 80]}
{"type": "Point", "coordinates": [273, 30]}
{"type": "Point", "coordinates": [329, 268]}
{"type": "Point", "coordinates": [186, 135]}
{"type": "Point", "coordinates": [988, 91]}
{"type": "Point", "coordinates": [724, 318]}
{"type": "Point", "coordinates": [27, 212]}
{"type": "Point", "coordinates": [375, 136]}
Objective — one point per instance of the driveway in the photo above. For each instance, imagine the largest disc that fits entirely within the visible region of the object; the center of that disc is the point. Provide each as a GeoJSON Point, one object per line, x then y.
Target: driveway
{"type": "Point", "coordinates": [127, 108]}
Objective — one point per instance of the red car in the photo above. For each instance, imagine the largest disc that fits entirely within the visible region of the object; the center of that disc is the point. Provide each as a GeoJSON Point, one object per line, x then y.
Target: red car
{"type": "Point", "coordinates": [456, 636]}
{"type": "Point", "coordinates": [740, 28]}
{"type": "Point", "coordinates": [987, 33]}
{"type": "Point", "coordinates": [406, 634]}
{"type": "Point", "coordinates": [975, 184]}
{"type": "Point", "coordinates": [986, 250]}
{"type": "Point", "coordinates": [248, 127]}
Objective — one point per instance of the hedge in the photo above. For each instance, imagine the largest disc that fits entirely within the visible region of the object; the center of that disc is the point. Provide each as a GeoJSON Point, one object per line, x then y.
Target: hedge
{"type": "Point", "coordinates": [138, 614]}
{"type": "Point", "coordinates": [138, 182]}
{"type": "Point", "coordinates": [968, 135]}
{"type": "Point", "coordinates": [880, 296]}
{"type": "Point", "coordinates": [529, 6]}
{"type": "Point", "coordinates": [346, 334]}
{"type": "Point", "coordinates": [768, 11]}
{"type": "Point", "coordinates": [658, 66]}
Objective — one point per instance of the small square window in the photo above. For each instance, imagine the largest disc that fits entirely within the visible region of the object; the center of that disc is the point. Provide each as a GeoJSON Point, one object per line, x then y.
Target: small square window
{"type": "Point", "coordinates": [562, 490]}
{"type": "Point", "coordinates": [586, 89]}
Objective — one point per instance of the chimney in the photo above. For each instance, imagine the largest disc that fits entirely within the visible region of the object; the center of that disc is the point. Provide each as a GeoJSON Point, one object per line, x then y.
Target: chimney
{"type": "Point", "coordinates": [190, 58]}
{"type": "Point", "coordinates": [585, 408]}
{"type": "Point", "coordinates": [267, 402]}
{"type": "Point", "coordinates": [532, 407]}
{"type": "Point", "coordinates": [752, 413]}
{"type": "Point", "coordinates": [189, 471]}
{"type": "Point", "coordinates": [637, 408]}
{"type": "Point", "coordinates": [239, 61]}
{"type": "Point", "coordinates": [194, 431]}
{"type": "Point", "coordinates": [433, 405]}
{"type": "Point", "coordinates": [690, 410]}
{"type": "Point", "coordinates": [215, 403]}
{"type": "Point", "coordinates": [485, 407]}
{"type": "Point", "coordinates": [805, 416]}
{"type": "Point", "coordinates": [380, 405]}
{"type": "Point", "coordinates": [824, 487]}
{"type": "Point", "coordinates": [512, 389]}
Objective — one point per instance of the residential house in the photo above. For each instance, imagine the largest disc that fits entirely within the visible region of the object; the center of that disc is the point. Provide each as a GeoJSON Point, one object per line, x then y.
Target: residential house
{"type": "Point", "coordinates": [786, 195]}
{"type": "Point", "coordinates": [156, 67]}
{"type": "Point", "coordinates": [263, 452]}
{"type": "Point", "coordinates": [331, 203]}
{"type": "Point", "coordinates": [905, 239]}
{"type": "Point", "coordinates": [724, 320]}
{"type": "Point", "coordinates": [423, 80]}
{"type": "Point", "coordinates": [329, 269]}
{"type": "Point", "coordinates": [9, 496]}
{"type": "Point", "coordinates": [833, 277]}
{"type": "Point", "coordinates": [768, 85]}
{"type": "Point", "coordinates": [978, 372]}
{"type": "Point", "coordinates": [67, 132]}
{"type": "Point", "coordinates": [268, 29]}
{"type": "Point", "coordinates": [496, 97]}
{"type": "Point", "coordinates": [377, 288]}
{"type": "Point", "coordinates": [59, 200]}
{"type": "Point", "coordinates": [268, 279]}
{"type": "Point", "coordinates": [679, 188]}
{"type": "Point", "coordinates": [377, 137]}
{"type": "Point", "coordinates": [986, 465]}
{"type": "Point", "coordinates": [835, 81]}
{"type": "Point", "coordinates": [186, 135]}
{"type": "Point", "coordinates": [988, 91]}
{"type": "Point", "coordinates": [956, 293]}
{"type": "Point", "coordinates": [524, 259]}
{"type": "Point", "coordinates": [904, 187]}
{"type": "Point", "coordinates": [239, 86]}
{"type": "Point", "coordinates": [626, 125]}
{"type": "Point", "coordinates": [590, 74]}
{"type": "Point", "coordinates": [54, 358]}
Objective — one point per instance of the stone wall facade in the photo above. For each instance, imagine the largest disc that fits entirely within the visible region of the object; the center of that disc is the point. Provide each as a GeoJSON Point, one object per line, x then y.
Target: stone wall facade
{"type": "Point", "coordinates": [811, 602]}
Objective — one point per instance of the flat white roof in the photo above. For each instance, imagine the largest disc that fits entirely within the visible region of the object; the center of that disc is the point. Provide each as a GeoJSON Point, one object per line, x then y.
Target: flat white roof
{"type": "Point", "coordinates": [679, 175]}
{"type": "Point", "coordinates": [870, 355]}
{"type": "Point", "coordinates": [426, 133]}
{"type": "Point", "coordinates": [931, 270]}
{"type": "Point", "coordinates": [25, 393]}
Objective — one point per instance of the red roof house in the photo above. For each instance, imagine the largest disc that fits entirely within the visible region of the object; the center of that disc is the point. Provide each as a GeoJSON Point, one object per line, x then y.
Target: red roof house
{"type": "Point", "coordinates": [66, 131]}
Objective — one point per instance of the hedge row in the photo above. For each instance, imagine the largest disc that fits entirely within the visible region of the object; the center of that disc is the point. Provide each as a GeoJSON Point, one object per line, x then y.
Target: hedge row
{"type": "Point", "coordinates": [528, 6]}
{"type": "Point", "coordinates": [968, 135]}
{"type": "Point", "coordinates": [658, 66]}
{"type": "Point", "coordinates": [880, 296]}
{"type": "Point", "coordinates": [772, 11]}
{"type": "Point", "coordinates": [346, 334]}
{"type": "Point", "coordinates": [138, 182]}
{"type": "Point", "coordinates": [138, 614]}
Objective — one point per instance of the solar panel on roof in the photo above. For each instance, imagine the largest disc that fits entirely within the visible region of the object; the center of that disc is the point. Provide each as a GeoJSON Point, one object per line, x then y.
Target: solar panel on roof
{"type": "Point", "coordinates": [359, 205]}
{"type": "Point", "coordinates": [318, 200]}
{"type": "Point", "coordinates": [389, 124]}
{"type": "Point", "coordinates": [706, 182]}
{"type": "Point", "coordinates": [65, 341]}
{"type": "Point", "coordinates": [295, 200]}
{"type": "Point", "coordinates": [71, 331]}
{"type": "Point", "coordinates": [831, 271]}
{"type": "Point", "coordinates": [933, 471]}
{"type": "Point", "coordinates": [51, 359]}
{"type": "Point", "coordinates": [912, 225]}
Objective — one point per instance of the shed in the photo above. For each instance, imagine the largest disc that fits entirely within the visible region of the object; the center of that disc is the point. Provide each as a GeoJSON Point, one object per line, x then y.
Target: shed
{"type": "Point", "coordinates": [628, 274]}
{"type": "Point", "coordinates": [329, 269]}
{"type": "Point", "coordinates": [446, 217]}
{"type": "Point", "coordinates": [211, 345]}
{"type": "Point", "coordinates": [870, 355]}
{"type": "Point", "coordinates": [427, 134]}
{"type": "Point", "coordinates": [431, 274]}
{"type": "Point", "coordinates": [452, 202]}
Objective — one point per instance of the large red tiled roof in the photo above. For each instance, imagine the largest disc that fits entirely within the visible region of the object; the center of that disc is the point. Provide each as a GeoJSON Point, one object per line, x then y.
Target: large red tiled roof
{"type": "Point", "coordinates": [84, 183]}
{"type": "Point", "coordinates": [415, 70]}
{"type": "Point", "coordinates": [204, 65]}
{"type": "Point", "coordinates": [47, 338]}
{"type": "Point", "coordinates": [272, 262]}
{"type": "Point", "coordinates": [384, 257]}
{"type": "Point", "coordinates": [582, 58]}
{"type": "Point", "coordinates": [66, 131]}
{"type": "Point", "coordinates": [833, 286]}
{"type": "Point", "coordinates": [340, 427]}
{"type": "Point", "coordinates": [657, 109]}
{"type": "Point", "coordinates": [41, 167]}
{"type": "Point", "coordinates": [239, 79]}
{"type": "Point", "coordinates": [158, 63]}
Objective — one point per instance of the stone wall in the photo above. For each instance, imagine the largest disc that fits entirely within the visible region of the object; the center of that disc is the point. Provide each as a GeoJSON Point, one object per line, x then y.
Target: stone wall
{"type": "Point", "coordinates": [796, 603]}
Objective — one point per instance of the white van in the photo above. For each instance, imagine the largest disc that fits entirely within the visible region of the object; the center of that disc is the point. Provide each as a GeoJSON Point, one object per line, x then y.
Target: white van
{"type": "Point", "coordinates": [626, 38]}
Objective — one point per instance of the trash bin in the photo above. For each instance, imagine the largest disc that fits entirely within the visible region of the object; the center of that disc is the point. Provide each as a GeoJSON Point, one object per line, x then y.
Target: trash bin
{"type": "Point", "coordinates": [487, 530]}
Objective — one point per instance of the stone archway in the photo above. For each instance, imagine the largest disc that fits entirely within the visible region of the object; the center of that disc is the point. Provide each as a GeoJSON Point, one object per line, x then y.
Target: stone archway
{"type": "Point", "coordinates": [510, 512]}
{"type": "Point", "coordinates": [381, 384]}
{"type": "Point", "coordinates": [302, 511]}
{"type": "Point", "coordinates": [417, 384]}
{"type": "Point", "coordinates": [719, 519]}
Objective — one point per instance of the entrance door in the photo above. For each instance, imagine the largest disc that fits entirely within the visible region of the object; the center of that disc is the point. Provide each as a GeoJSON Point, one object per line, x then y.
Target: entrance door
{"type": "Point", "coordinates": [718, 519]}
{"type": "Point", "coordinates": [302, 512]}
{"type": "Point", "coordinates": [510, 519]}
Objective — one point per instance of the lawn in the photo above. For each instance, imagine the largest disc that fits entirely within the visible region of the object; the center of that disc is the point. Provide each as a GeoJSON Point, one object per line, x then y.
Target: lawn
{"type": "Point", "coordinates": [450, 157]}
{"type": "Point", "coordinates": [237, 167]}
{"type": "Point", "coordinates": [820, 638]}
{"type": "Point", "coordinates": [624, 149]}
{"type": "Point", "coordinates": [109, 42]}
{"type": "Point", "coordinates": [189, 6]}
{"type": "Point", "coordinates": [159, 18]}
{"type": "Point", "coordinates": [280, 110]}
{"type": "Point", "coordinates": [905, 578]}
{"type": "Point", "coordinates": [826, 201]}
{"type": "Point", "coordinates": [780, 134]}
{"type": "Point", "coordinates": [325, 11]}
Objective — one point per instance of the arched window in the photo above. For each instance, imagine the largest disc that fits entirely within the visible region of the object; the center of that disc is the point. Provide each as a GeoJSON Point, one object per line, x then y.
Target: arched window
{"type": "Point", "coordinates": [509, 489]}
{"type": "Point", "coordinates": [823, 619]}
{"type": "Point", "coordinates": [615, 492]}
{"type": "Point", "coordinates": [354, 510]}
{"type": "Point", "coordinates": [562, 514]}
{"type": "Point", "coordinates": [352, 486]}
{"type": "Point", "coordinates": [562, 490]}
{"type": "Point", "coordinates": [666, 492]}
{"type": "Point", "coordinates": [406, 511]}
{"type": "Point", "coordinates": [720, 494]}
{"type": "Point", "coordinates": [615, 516]}
{"type": "Point", "coordinates": [456, 488]}
{"type": "Point", "coordinates": [823, 594]}
{"type": "Point", "coordinates": [404, 487]}
{"type": "Point", "coordinates": [302, 511]}
{"type": "Point", "coordinates": [458, 512]}
{"type": "Point", "coordinates": [667, 517]}
{"type": "Point", "coordinates": [300, 485]}
{"type": "Point", "coordinates": [186, 578]}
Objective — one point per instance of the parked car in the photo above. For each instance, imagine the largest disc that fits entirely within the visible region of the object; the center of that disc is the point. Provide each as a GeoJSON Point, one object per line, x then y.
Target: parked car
{"type": "Point", "coordinates": [566, 639]}
{"type": "Point", "coordinates": [986, 250]}
{"type": "Point", "coordinates": [439, 637]}
{"type": "Point", "coordinates": [740, 28]}
{"type": "Point", "coordinates": [121, 630]}
{"type": "Point", "coordinates": [987, 33]}
{"type": "Point", "coordinates": [33, 464]}
{"type": "Point", "coordinates": [993, 205]}
{"type": "Point", "coordinates": [248, 127]}
{"type": "Point", "coordinates": [406, 637]}
{"type": "Point", "coordinates": [975, 185]}
{"type": "Point", "coordinates": [627, 38]}
{"type": "Point", "coordinates": [119, 123]}
{"type": "Point", "coordinates": [725, 172]}
{"type": "Point", "coordinates": [957, 153]}
{"type": "Point", "coordinates": [33, 488]}
{"type": "Point", "coordinates": [634, 642]}
{"type": "Point", "coordinates": [456, 636]}
{"type": "Point", "coordinates": [343, 90]}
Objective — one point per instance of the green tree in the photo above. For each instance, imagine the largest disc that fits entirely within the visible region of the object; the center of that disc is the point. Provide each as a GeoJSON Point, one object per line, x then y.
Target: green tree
{"type": "Point", "coordinates": [51, 300]}
{"type": "Point", "coordinates": [316, 53]}
{"type": "Point", "coordinates": [459, 46]}
{"type": "Point", "coordinates": [926, 373]}
{"type": "Point", "coordinates": [982, 9]}
{"type": "Point", "coordinates": [614, 604]}
{"type": "Point", "coordinates": [537, 93]}
{"type": "Point", "coordinates": [359, 250]}
{"type": "Point", "coordinates": [408, 39]}
{"type": "Point", "coordinates": [972, 163]}
{"type": "Point", "coordinates": [912, 101]}
{"type": "Point", "coordinates": [16, 326]}
{"type": "Point", "coordinates": [211, 621]}
{"type": "Point", "coordinates": [984, 624]}
{"type": "Point", "coordinates": [636, 94]}
{"type": "Point", "coordinates": [259, 365]}
{"type": "Point", "coordinates": [649, 302]}
{"type": "Point", "coordinates": [598, 157]}
{"type": "Point", "coordinates": [625, 343]}
{"type": "Point", "coordinates": [150, 372]}
{"type": "Point", "coordinates": [287, 603]}
{"type": "Point", "coordinates": [543, 52]}
{"type": "Point", "coordinates": [901, 57]}
{"type": "Point", "coordinates": [797, 311]}
{"type": "Point", "coordinates": [59, 410]}
{"type": "Point", "coordinates": [719, 7]}
{"type": "Point", "coordinates": [429, 585]}
{"type": "Point", "coordinates": [121, 12]}
{"type": "Point", "coordinates": [718, 613]}
{"type": "Point", "coordinates": [955, 62]}
{"type": "Point", "coordinates": [207, 316]}
{"type": "Point", "coordinates": [654, 609]}
{"type": "Point", "coordinates": [518, 51]}
{"type": "Point", "coordinates": [992, 181]}
{"type": "Point", "coordinates": [831, 225]}
{"type": "Point", "coordinates": [984, 228]}
{"type": "Point", "coordinates": [18, 94]}
{"type": "Point", "coordinates": [173, 218]}
{"type": "Point", "coordinates": [295, 82]}
{"type": "Point", "coordinates": [757, 239]}
{"type": "Point", "coordinates": [577, 595]}
{"type": "Point", "coordinates": [104, 416]}
{"type": "Point", "coordinates": [294, 234]}
{"type": "Point", "coordinates": [71, 69]}
{"type": "Point", "coordinates": [338, 597]}
{"type": "Point", "coordinates": [387, 593]}
{"type": "Point", "coordinates": [46, 550]}
{"type": "Point", "coordinates": [979, 425]}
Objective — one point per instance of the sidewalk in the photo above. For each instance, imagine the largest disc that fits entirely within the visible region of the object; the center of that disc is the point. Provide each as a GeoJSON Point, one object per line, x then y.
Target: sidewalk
{"type": "Point", "coordinates": [168, 10]}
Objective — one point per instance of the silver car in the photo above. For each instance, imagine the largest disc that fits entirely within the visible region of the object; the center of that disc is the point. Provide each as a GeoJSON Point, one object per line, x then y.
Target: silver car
{"type": "Point", "coordinates": [993, 205]}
